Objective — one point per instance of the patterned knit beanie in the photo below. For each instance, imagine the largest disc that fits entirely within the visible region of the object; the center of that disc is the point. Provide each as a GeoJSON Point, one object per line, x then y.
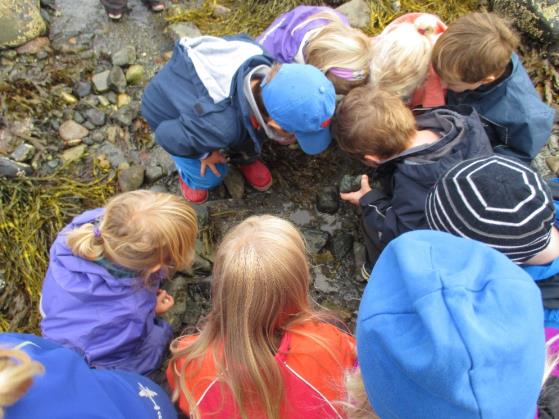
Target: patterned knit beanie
{"type": "Point", "coordinates": [497, 201]}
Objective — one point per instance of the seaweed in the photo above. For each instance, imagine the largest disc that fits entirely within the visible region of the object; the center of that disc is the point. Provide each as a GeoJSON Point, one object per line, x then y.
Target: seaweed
{"type": "Point", "coordinates": [32, 211]}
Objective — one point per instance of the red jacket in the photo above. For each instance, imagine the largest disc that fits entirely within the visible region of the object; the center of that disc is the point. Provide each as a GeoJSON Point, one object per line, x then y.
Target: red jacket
{"type": "Point", "coordinates": [313, 376]}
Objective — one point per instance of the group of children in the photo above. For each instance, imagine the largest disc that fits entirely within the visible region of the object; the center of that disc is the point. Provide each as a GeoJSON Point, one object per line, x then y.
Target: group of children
{"type": "Point", "coordinates": [453, 323]}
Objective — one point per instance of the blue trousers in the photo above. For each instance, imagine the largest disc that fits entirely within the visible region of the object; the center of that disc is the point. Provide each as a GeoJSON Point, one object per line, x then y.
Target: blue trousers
{"type": "Point", "coordinates": [189, 171]}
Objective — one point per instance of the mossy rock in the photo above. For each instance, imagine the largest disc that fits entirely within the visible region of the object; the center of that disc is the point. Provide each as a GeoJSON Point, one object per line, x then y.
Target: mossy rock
{"type": "Point", "coordinates": [538, 19]}
{"type": "Point", "coordinates": [20, 21]}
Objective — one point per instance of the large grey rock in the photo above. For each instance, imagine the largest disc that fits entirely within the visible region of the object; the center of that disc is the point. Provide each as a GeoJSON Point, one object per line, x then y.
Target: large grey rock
{"type": "Point", "coordinates": [71, 130]}
{"type": "Point", "coordinates": [539, 19]}
{"type": "Point", "coordinates": [327, 200]}
{"type": "Point", "coordinates": [183, 30]}
{"type": "Point", "coordinates": [357, 12]}
{"type": "Point", "coordinates": [235, 183]}
{"type": "Point", "coordinates": [101, 81]}
{"type": "Point", "coordinates": [131, 179]}
{"type": "Point", "coordinates": [124, 56]}
{"type": "Point", "coordinates": [124, 116]}
{"type": "Point", "coordinates": [117, 80]}
{"type": "Point", "coordinates": [342, 243]}
{"type": "Point", "coordinates": [20, 21]}
{"type": "Point", "coordinates": [23, 152]}
{"type": "Point", "coordinates": [315, 239]}
{"type": "Point", "coordinates": [113, 154]}
{"type": "Point", "coordinates": [95, 116]}
{"type": "Point", "coordinates": [10, 168]}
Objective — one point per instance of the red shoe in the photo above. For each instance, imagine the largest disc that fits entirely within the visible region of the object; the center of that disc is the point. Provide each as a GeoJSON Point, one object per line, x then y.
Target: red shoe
{"type": "Point", "coordinates": [257, 174]}
{"type": "Point", "coordinates": [196, 196]}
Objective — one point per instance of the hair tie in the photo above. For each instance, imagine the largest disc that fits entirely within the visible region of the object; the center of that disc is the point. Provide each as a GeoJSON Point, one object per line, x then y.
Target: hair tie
{"type": "Point", "coordinates": [96, 232]}
{"type": "Point", "coordinates": [348, 74]}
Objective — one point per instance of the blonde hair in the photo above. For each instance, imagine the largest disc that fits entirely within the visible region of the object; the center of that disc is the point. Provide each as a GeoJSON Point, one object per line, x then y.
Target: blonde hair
{"type": "Point", "coordinates": [373, 122]}
{"type": "Point", "coordinates": [17, 370]}
{"type": "Point", "coordinates": [474, 47]}
{"type": "Point", "coordinates": [401, 56]}
{"type": "Point", "coordinates": [260, 289]}
{"type": "Point", "coordinates": [140, 230]}
{"type": "Point", "coordinates": [341, 46]}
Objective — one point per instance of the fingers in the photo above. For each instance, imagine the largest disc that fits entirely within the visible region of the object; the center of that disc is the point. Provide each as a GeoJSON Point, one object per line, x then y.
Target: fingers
{"type": "Point", "coordinates": [203, 165]}
{"type": "Point", "coordinates": [214, 170]}
{"type": "Point", "coordinates": [364, 182]}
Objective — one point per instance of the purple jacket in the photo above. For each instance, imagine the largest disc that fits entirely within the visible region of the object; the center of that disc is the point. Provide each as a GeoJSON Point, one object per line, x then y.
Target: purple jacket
{"type": "Point", "coordinates": [284, 36]}
{"type": "Point", "coordinates": [110, 321]}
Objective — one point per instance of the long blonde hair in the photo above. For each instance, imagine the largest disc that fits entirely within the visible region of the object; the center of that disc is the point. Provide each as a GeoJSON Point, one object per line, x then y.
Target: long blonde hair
{"type": "Point", "coordinates": [401, 56]}
{"type": "Point", "coordinates": [140, 230]}
{"type": "Point", "coordinates": [260, 289]}
{"type": "Point", "coordinates": [17, 370]}
{"type": "Point", "coordinates": [340, 46]}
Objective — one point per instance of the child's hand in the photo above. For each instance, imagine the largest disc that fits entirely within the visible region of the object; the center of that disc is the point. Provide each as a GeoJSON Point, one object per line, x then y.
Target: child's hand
{"type": "Point", "coordinates": [355, 197]}
{"type": "Point", "coordinates": [214, 158]}
{"type": "Point", "coordinates": [164, 302]}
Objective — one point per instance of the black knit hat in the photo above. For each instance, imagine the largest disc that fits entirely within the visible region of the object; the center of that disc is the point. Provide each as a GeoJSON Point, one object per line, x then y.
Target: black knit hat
{"type": "Point", "coordinates": [497, 201]}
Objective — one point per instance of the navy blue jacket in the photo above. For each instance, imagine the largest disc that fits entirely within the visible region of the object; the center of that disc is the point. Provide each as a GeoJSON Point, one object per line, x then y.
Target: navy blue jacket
{"type": "Point", "coordinates": [399, 206]}
{"type": "Point", "coordinates": [178, 103]}
{"type": "Point", "coordinates": [523, 122]}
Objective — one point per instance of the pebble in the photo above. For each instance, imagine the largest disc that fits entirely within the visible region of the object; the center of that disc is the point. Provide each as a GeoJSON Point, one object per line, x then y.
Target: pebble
{"type": "Point", "coordinates": [74, 153]}
{"type": "Point", "coordinates": [41, 55]}
{"type": "Point", "coordinates": [78, 117]}
{"type": "Point", "coordinates": [131, 179]}
{"type": "Point", "coordinates": [95, 116]}
{"type": "Point", "coordinates": [315, 239]}
{"type": "Point", "coordinates": [221, 11]}
{"type": "Point", "coordinates": [101, 81]}
{"type": "Point", "coordinates": [68, 98]}
{"type": "Point", "coordinates": [23, 152]}
{"type": "Point", "coordinates": [34, 46]}
{"type": "Point", "coordinates": [203, 215]}
{"type": "Point", "coordinates": [350, 184]}
{"type": "Point", "coordinates": [124, 56]}
{"type": "Point", "coordinates": [135, 74]}
{"type": "Point", "coordinates": [53, 164]}
{"type": "Point", "coordinates": [553, 164]}
{"type": "Point", "coordinates": [114, 132]}
{"type": "Point", "coordinates": [111, 97]}
{"type": "Point", "coordinates": [103, 101]}
{"type": "Point", "coordinates": [153, 173]}
{"type": "Point", "coordinates": [113, 154]}
{"type": "Point", "coordinates": [97, 137]}
{"type": "Point", "coordinates": [82, 88]}
{"type": "Point", "coordinates": [183, 30]}
{"type": "Point", "coordinates": [71, 130]}
{"type": "Point", "coordinates": [327, 200]}
{"type": "Point", "coordinates": [10, 168]}
{"type": "Point", "coordinates": [357, 12]}
{"type": "Point", "coordinates": [123, 100]}
{"type": "Point", "coordinates": [89, 125]}
{"type": "Point", "coordinates": [359, 257]}
{"type": "Point", "coordinates": [342, 243]}
{"type": "Point", "coordinates": [235, 183]}
{"type": "Point", "coordinates": [124, 116]}
{"type": "Point", "coordinates": [117, 80]}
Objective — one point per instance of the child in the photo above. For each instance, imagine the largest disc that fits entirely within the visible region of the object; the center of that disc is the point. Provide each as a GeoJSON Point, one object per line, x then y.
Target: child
{"type": "Point", "coordinates": [450, 328]}
{"type": "Point", "coordinates": [321, 37]}
{"type": "Point", "coordinates": [223, 94]}
{"type": "Point", "coordinates": [476, 59]}
{"type": "Point", "coordinates": [401, 62]}
{"type": "Point", "coordinates": [265, 350]}
{"type": "Point", "coordinates": [115, 8]}
{"type": "Point", "coordinates": [377, 128]}
{"type": "Point", "coordinates": [40, 379]}
{"type": "Point", "coordinates": [100, 295]}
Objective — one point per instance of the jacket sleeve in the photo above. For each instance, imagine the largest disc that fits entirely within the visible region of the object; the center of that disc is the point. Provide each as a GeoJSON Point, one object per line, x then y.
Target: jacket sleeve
{"type": "Point", "coordinates": [175, 136]}
{"type": "Point", "coordinates": [531, 133]}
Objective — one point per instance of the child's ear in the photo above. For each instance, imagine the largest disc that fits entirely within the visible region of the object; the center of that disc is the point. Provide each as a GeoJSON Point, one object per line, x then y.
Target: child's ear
{"type": "Point", "coordinates": [373, 159]}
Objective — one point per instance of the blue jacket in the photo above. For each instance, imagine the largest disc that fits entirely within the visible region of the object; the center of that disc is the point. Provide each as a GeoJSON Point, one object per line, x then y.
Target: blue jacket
{"type": "Point", "coordinates": [196, 103]}
{"type": "Point", "coordinates": [70, 389]}
{"type": "Point", "coordinates": [521, 120]}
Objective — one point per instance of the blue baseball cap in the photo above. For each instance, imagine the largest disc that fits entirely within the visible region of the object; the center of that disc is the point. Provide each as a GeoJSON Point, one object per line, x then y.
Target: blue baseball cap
{"type": "Point", "coordinates": [302, 101]}
{"type": "Point", "coordinates": [450, 328]}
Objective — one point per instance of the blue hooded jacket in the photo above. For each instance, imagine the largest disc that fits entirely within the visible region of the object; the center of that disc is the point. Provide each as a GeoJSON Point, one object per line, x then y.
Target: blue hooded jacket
{"type": "Point", "coordinates": [70, 389]}
{"type": "Point", "coordinates": [522, 122]}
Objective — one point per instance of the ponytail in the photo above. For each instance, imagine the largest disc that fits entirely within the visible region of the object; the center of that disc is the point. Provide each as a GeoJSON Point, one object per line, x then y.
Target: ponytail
{"type": "Point", "coordinates": [83, 242]}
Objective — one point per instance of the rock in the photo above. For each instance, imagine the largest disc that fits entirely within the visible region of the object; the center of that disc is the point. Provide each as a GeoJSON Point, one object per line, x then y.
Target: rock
{"type": "Point", "coordinates": [23, 152]}
{"type": "Point", "coordinates": [111, 97]}
{"type": "Point", "coordinates": [10, 168]}
{"type": "Point", "coordinates": [114, 133]}
{"type": "Point", "coordinates": [327, 200]}
{"type": "Point", "coordinates": [34, 46]}
{"type": "Point", "coordinates": [159, 189]}
{"type": "Point", "coordinates": [124, 56]}
{"type": "Point", "coordinates": [114, 155]}
{"type": "Point", "coordinates": [135, 74]}
{"type": "Point", "coordinates": [89, 125]}
{"type": "Point", "coordinates": [68, 98]}
{"type": "Point", "coordinates": [553, 164]}
{"type": "Point", "coordinates": [221, 11]}
{"type": "Point", "coordinates": [342, 243]}
{"type": "Point", "coordinates": [20, 21]}
{"type": "Point", "coordinates": [41, 55]}
{"type": "Point", "coordinates": [95, 116]}
{"type": "Point", "coordinates": [357, 12]}
{"type": "Point", "coordinates": [396, 5]}
{"type": "Point", "coordinates": [183, 30]}
{"type": "Point", "coordinates": [78, 117]}
{"type": "Point", "coordinates": [202, 214]}
{"type": "Point", "coordinates": [103, 101]}
{"type": "Point", "coordinates": [124, 116]}
{"type": "Point", "coordinates": [131, 179]}
{"type": "Point", "coordinates": [359, 256]}
{"type": "Point", "coordinates": [315, 239]}
{"type": "Point", "coordinates": [117, 80]}
{"type": "Point", "coordinates": [101, 81]}
{"type": "Point", "coordinates": [53, 164]}
{"type": "Point", "coordinates": [123, 100]}
{"type": "Point", "coordinates": [82, 88]}
{"type": "Point", "coordinates": [235, 183]}
{"type": "Point", "coordinates": [539, 19]}
{"type": "Point", "coordinates": [71, 130]}
{"type": "Point", "coordinates": [153, 173]}
{"type": "Point", "coordinates": [97, 137]}
{"type": "Point", "coordinates": [350, 183]}
{"type": "Point", "coordinates": [74, 153]}
{"type": "Point", "coordinates": [159, 157]}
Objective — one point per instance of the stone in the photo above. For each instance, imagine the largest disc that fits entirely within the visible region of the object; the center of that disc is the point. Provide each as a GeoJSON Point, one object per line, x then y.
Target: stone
{"type": "Point", "coordinates": [101, 81]}
{"type": "Point", "coordinates": [34, 46]}
{"type": "Point", "coordinates": [78, 117]}
{"type": "Point", "coordinates": [103, 101]}
{"type": "Point", "coordinates": [11, 169]}
{"type": "Point", "coordinates": [124, 56]}
{"type": "Point", "coordinates": [71, 130]}
{"type": "Point", "coordinates": [183, 30]}
{"type": "Point", "coordinates": [68, 98]}
{"type": "Point", "coordinates": [350, 184]}
{"type": "Point", "coordinates": [221, 11]}
{"type": "Point", "coordinates": [95, 116]}
{"type": "Point", "coordinates": [235, 183]}
{"type": "Point", "coordinates": [124, 116]}
{"type": "Point", "coordinates": [153, 173]}
{"type": "Point", "coordinates": [123, 100]}
{"type": "Point", "coordinates": [41, 55]}
{"type": "Point", "coordinates": [553, 164]}
{"type": "Point", "coordinates": [203, 215]}
{"type": "Point", "coordinates": [82, 88]}
{"type": "Point", "coordinates": [112, 98]}
{"type": "Point", "coordinates": [315, 239]}
{"type": "Point", "coordinates": [359, 257]}
{"type": "Point", "coordinates": [396, 5]}
{"type": "Point", "coordinates": [53, 164]}
{"type": "Point", "coordinates": [21, 21]}
{"type": "Point", "coordinates": [159, 189]}
{"type": "Point", "coordinates": [159, 157]}
{"type": "Point", "coordinates": [327, 200]}
{"type": "Point", "coordinates": [97, 137]}
{"type": "Point", "coordinates": [117, 80]}
{"type": "Point", "coordinates": [135, 74]}
{"type": "Point", "coordinates": [357, 12]}
{"type": "Point", "coordinates": [74, 153]}
{"type": "Point", "coordinates": [342, 243]}
{"type": "Point", "coordinates": [24, 152]}
{"type": "Point", "coordinates": [89, 125]}
{"type": "Point", "coordinates": [114, 133]}
{"type": "Point", "coordinates": [131, 179]}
